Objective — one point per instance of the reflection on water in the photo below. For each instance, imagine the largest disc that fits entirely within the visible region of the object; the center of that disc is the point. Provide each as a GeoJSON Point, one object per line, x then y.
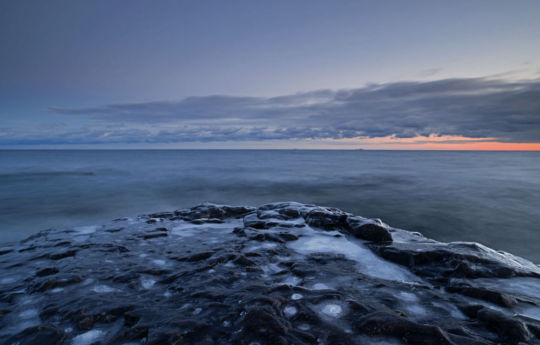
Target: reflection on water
{"type": "Point", "coordinates": [489, 197]}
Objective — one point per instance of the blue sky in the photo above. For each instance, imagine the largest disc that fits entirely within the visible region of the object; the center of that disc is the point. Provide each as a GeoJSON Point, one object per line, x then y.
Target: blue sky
{"type": "Point", "coordinates": [120, 73]}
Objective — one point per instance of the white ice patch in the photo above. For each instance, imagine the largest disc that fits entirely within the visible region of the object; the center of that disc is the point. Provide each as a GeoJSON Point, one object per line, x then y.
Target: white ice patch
{"type": "Point", "coordinates": [87, 338]}
{"type": "Point", "coordinates": [103, 289]}
{"type": "Point", "coordinates": [416, 309]}
{"type": "Point", "coordinates": [320, 286]}
{"type": "Point", "coordinates": [292, 280]}
{"type": "Point", "coordinates": [296, 296]}
{"type": "Point", "coordinates": [87, 281]}
{"type": "Point", "coordinates": [407, 296]}
{"type": "Point", "coordinates": [184, 231]}
{"type": "Point", "coordinates": [451, 309]}
{"type": "Point", "coordinates": [159, 262]}
{"type": "Point", "coordinates": [332, 310]}
{"type": "Point", "coordinates": [368, 262]}
{"type": "Point", "coordinates": [28, 314]}
{"type": "Point", "coordinates": [269, 245]}
{"type": "Point", "coordinates": [85, 230]}
{"type": "Point", "coordinates": [290, 311]}
{"type": "Point", "coordinates": [8, 280]}
{"type": "Point", "coordinates": [532, 312]}
{"type": "Point", "coordinates": [189, 229]}
{"type": "Point", "coordinates": [271, 268]}
{"type": "Point", "coordinates": [520, 285]}
{"type": "Point", "coordinates": [197, 311]}
{"type": "Point", "coordinates": [304, 327]}
{"type": "Point", "coordinates": [147, 283]}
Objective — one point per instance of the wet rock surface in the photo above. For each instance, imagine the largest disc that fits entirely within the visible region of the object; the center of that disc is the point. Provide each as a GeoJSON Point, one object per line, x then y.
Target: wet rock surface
{"type": "Point", "coordinates": [283, 273]}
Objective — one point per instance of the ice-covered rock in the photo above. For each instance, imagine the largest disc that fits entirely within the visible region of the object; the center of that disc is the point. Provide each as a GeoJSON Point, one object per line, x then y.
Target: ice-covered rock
{"type": "Point", "coordinates": [282, 273]}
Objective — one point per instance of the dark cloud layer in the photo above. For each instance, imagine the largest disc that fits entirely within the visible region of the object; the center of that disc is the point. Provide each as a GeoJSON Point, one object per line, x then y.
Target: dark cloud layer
{"type": "Point", "coordinates": [476, 108]}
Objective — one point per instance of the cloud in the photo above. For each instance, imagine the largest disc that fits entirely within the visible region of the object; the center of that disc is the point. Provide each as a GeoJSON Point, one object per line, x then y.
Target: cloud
{"type": "Point", "coordinates": [472, 108]}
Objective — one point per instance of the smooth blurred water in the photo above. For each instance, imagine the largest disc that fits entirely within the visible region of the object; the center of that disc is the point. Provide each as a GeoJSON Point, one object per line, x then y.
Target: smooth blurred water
{"type": "Point", "coordinates": [488, 197]}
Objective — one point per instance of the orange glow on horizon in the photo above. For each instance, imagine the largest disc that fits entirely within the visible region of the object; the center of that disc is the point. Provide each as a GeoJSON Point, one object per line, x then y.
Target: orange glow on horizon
{"type": "Point", "coordinates": [436, 142]}
{"type": "Point", "coordinates": [474, 146]}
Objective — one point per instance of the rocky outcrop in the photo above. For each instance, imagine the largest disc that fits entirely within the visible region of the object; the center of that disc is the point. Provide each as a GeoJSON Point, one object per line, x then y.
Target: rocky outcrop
{"type": "Point", "coordinates": [282, 273]}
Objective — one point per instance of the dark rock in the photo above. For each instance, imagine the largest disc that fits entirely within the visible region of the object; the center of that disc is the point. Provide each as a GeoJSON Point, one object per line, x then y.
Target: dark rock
{"type": "Point", "coordinates": [126, 277]}
{"type": "Point", "coordinates": [382, 323]}
{"type": "Point", "coordinates": [47, 271]}
{"type": "Point", "coordinates": [456, 259]}
{"type": "Point", "coordinates": [4, 312]}
{"type": "Point", "coordinates": [266, 238]}
{"type": "Point", "coordinates": [471, 310]}
{"type": "Point", "coordinates": [263, 323]}
{"type": "Point", "coordinates": [154, 235]}
{"type": "Point", "coordinates": [63, 255]}
{"type": "Point", "coordinates": [165, 338]}
{"type": "Point", "coordinates": [510, 329]}
{"type": "Point", "coordinates": [86, 323]}
{"type": "Point", "coordinates": [131, 318]}
{"type": "Point", "coordinates": [243, 261]}
{"type": "Point", "coordinates": [5, 251]}
{"type": "Point", "coordinates": [252, 221]}
{"type": "Point", "coordinates": [239, 231]}
{"type": "Point", "coordinates": [483, 294]}
{"type": "Point", "coordinates": [214, 211]}
{"type": "Point", "coordinates": [54, 283]}
{"type": "Point", "coordinates": [113, 230]}
{"type": "Point", "coordinates": [325, 219]}
{"type": "Point", "coordinates": [165, 215]}
{"type": "Point", "coordinates": [368, 231]}
{"type": "Point", "coordinates": [42, 335]}
{"type": "Point", "coordinates": [287, 236]}
{"type": "Point", "coordinates": [186, 290]}
{"type": "Point", "coordinates": [197, 257]}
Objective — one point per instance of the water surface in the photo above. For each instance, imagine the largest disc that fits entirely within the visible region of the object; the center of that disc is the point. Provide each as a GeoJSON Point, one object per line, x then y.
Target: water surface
{"type": "Point", "coordinates": [487, 197]}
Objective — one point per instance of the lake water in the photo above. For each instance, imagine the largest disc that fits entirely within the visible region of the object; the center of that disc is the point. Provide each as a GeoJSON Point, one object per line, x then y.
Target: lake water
{"type": "Point", "coordinates": [488, 197]}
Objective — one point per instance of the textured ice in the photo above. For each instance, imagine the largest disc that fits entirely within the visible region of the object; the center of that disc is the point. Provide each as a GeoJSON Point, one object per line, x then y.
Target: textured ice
{"type": "Point", "coordinates": [296, 296]}
{"type": "Point", "coordinates": [147, 283]}
{"type": "Point", "coordinates": [368, 263]}
{"type": "Point", "coordinates": [8, 280]}
{"type": "Point", "coordinates": [452, 310]}
{"type": "Point", "coordinates": [28, 314]}
{"type": "Point", "coordinates": [290, 311]}
{"type": "Point", "coordinates": [320, 286]}
{"type": "Point", "coordinates": [416, 309]}
{"type": "Point", "coordinates": [304, 327]}
{"type": "Point", "coordinates": [266, 245]}
{"type": "Point", "coordinates": [532, 312]}
{"type": "Point", "coordinates": [103, 289]}
{"type": "Point", "coordinates": [84, 230]}
{"type": "Point", "coordinates": [88, 338]}
{"type": "Point", "coordinates": [271, 268]}
{"type": "Point", "coordinates": [159, 262]}
{"type": "Point", "coordinates": [332, 310]}
{"type": "Point", "coordinates": [407, 296]}
{"type": "Point", "coordinates": [197, 311]}
{"type": "Point", "coordinates": [518, 285]}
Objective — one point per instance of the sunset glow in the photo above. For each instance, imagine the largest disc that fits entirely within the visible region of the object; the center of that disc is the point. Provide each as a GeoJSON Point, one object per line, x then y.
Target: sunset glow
{"type": "Point", "coordinates": [434, 142]}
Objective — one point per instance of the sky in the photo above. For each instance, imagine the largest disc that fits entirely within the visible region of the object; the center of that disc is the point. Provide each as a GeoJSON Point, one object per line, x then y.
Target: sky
{"type": "Point", "coordinates": [270, 74]}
